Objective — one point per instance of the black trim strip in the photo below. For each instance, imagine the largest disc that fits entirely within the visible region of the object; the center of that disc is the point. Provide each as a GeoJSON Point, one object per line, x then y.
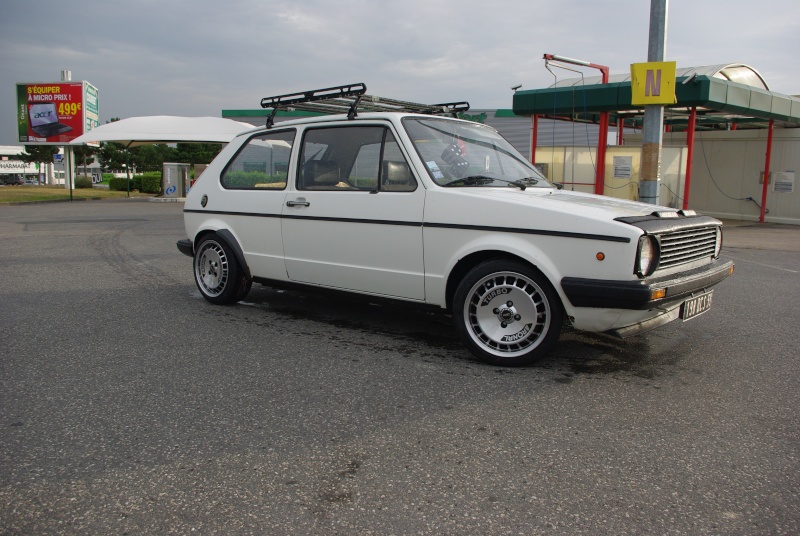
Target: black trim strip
{"type": "Point", "coordinates": [516, 230]}
{"type": "Point", "coordinates": [229, 213]}
{"type": "Point", "coordinates": [353, 220]}
{"type": "Point", "coordinates": [543, 232]}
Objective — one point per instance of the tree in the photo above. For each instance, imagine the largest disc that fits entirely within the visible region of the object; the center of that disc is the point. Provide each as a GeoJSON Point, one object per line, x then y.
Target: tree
{"type": "Point", "coordinates": [197, 153]}
{"type": "Point", "coordinates": [112, 156]}
{"type": "Point", "coordinates": [152, 157]}
{"type": "Point", "coordinates": [83, 153]}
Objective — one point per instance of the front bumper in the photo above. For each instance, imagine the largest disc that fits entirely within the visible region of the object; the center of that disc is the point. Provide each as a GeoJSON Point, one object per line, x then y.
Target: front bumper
{"type": "Point", "coordinates": [641, 295]}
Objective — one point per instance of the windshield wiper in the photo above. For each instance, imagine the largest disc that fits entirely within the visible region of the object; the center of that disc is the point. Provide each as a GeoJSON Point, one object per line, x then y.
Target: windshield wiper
{"type": "Point", "coordinates": [475, 180]}
{"type": "Point", "coordinates": [472, 180]}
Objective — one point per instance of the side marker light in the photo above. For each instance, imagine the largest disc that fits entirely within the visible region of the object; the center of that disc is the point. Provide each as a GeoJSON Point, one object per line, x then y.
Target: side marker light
{"type": "Point", "coordinates": [658, 294]}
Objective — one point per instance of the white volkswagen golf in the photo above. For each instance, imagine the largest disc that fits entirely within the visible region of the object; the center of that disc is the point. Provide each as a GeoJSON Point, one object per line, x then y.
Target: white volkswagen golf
{"type": "Point", "coordinates": [418, 207]}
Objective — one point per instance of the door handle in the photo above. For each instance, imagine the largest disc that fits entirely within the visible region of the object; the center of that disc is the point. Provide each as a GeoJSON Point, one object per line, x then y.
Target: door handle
{"type": "Point", "coordinates": [300, 202]}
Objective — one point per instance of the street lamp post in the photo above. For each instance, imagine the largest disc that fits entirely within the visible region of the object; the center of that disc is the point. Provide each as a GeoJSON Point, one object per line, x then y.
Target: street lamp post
{"type": "Point", "coordinates": [653, 127]}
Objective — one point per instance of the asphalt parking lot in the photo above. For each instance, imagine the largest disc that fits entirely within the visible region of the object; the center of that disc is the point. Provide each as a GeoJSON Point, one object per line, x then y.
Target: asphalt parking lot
{"type": "Point", "coordinates": [129, 405]}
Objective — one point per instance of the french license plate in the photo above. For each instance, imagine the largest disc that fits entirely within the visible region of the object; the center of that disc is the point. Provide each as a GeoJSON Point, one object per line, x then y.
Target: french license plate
{"type": "Point", "coordinates": [696, 306]}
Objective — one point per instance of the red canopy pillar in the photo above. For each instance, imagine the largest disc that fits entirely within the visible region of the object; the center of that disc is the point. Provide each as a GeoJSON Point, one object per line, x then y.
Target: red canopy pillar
{"type": "Point", "coordinates": [602, 140]}
{"type": "Point", "coordinates": [602, 144]}
{"type": "Point", "coordinates": [766, 172]}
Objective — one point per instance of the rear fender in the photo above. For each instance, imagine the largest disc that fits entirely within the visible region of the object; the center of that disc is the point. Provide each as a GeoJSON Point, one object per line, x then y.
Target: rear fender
{"type": "Point", "coordinates": [227, 236]}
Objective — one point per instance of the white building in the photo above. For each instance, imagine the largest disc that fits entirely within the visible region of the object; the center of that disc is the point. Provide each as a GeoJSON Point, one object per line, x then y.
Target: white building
{"type": "Point", "coordinates": [11, 164]}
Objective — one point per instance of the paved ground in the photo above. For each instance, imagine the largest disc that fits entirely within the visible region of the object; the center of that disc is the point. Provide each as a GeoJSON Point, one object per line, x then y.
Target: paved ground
{"type": "Point", "coordinates": [768, 236]}
{"type": "Point", "coordinates": [129, 405]}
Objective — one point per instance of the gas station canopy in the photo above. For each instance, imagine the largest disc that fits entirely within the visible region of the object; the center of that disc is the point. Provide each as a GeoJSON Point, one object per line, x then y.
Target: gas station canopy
{"type": "Point", "coordinates": [725, 97]}
{"type": "Point", "coordinates": [722, 94]}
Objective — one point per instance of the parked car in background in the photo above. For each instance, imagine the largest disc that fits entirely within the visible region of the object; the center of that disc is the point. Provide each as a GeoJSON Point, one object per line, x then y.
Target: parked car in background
{"type": "Point", "coordinates": [399, 202]}
{"type": "Point", "coordinates": [11, 180]}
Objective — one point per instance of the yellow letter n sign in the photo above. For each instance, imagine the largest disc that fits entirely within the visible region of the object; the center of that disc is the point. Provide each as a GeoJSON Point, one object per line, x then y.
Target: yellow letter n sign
{"type": "Point", "coordinates": [653, 83]}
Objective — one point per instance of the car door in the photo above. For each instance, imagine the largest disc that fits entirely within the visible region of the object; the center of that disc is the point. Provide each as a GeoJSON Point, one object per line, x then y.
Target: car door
{"type": "Point", "coordinates": [354, 221]}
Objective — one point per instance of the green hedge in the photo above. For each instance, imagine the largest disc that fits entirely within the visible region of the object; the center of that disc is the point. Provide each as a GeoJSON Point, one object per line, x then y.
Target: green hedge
{"type": "Point", "coordinates": [119, 184]}
{"type": "Point", "coordinates": [148, 183]}
{"type": "Point", "coordinates": [83, 182]}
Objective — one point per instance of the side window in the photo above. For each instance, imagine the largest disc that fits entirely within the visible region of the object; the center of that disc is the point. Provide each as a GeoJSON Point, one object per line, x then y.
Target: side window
{"type": "Point", "coordinates": [261, 164]}
{"type": "Point", "coordinates": [353, 158]}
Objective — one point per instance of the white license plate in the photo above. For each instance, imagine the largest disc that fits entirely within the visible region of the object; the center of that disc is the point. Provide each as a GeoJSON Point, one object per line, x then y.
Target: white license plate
{"type": "Point", "coordinates": [696, 306]}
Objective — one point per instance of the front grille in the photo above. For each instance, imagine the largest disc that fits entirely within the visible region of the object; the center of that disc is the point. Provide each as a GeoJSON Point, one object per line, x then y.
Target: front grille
{"type": "Point", "coordinates": [688, 245]}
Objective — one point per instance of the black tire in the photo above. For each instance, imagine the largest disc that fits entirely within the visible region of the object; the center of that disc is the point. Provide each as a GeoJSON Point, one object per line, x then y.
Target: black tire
{"type": "Point", "coordinates": [217, 273]}
{"type": "Point", "coordinates": [507, 313]}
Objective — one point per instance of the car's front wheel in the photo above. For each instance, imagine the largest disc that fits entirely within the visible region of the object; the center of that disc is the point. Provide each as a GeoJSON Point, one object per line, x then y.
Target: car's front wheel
{"type": "Point", "coordinates": [507, 313]}
{"type": "Point", "coordinates": [217, 273]}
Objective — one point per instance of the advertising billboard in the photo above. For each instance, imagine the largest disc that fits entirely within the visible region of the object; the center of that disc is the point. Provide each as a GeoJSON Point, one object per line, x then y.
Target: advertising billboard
{"type": "Point", "coordinates": [56, 113]}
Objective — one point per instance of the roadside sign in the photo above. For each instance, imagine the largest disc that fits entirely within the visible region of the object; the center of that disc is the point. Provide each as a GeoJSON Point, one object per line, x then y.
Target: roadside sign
{"type": "Point", "coordinates": [653, 83]}
{"type": "Point", "coordinates": [55, 113]}
{"type": "Point", "coordinates": [58, 158]}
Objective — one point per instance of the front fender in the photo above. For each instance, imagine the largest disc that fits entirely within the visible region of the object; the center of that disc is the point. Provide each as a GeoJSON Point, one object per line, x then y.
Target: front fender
{"type": "Point", "coordinates": [444, 258]}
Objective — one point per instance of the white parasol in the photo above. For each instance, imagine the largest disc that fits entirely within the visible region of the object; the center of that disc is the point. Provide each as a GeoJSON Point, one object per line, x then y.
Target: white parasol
{"type": "Point", "coordinates": [153, 129]}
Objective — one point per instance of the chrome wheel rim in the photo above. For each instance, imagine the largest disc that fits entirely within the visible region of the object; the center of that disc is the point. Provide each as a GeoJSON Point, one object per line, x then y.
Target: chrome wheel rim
{"type": "Point", "coordinates": [507, 314]}
{"type": "Point", "coordinates": [211, 268]}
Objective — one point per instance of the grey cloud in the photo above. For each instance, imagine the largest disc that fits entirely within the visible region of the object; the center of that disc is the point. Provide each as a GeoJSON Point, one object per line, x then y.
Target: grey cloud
{"type": "Point", "coordinates": [201, 56]}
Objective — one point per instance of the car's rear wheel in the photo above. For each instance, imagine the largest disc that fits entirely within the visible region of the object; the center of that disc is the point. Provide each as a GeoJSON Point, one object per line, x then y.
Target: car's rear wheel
{"type": "Point", "coordinates": [507, 313]}
{"type": "Point", "coordinates": [217, 273]}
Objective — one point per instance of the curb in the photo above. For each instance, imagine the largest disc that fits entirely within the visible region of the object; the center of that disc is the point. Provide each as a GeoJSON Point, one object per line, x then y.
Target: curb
{"type": "Point", "coordinates": [167, 199]}
{"type": "Point", "coordinates": [47, 201]}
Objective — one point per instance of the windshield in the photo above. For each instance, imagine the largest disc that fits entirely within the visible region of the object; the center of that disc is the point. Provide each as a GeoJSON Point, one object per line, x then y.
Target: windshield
{"type": "Point", "coordinates": [460, 154]}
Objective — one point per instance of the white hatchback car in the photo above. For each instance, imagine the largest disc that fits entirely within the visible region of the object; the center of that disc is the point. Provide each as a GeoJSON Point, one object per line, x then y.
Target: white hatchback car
{"type": "Point", "coordinates": [445, 212]}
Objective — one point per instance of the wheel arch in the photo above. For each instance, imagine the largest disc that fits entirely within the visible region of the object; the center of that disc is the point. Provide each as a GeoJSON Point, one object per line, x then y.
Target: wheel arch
{"type": "Point", "coordinates": [467, 263]}
{"type": "Point", "coordinates": [230, 240]}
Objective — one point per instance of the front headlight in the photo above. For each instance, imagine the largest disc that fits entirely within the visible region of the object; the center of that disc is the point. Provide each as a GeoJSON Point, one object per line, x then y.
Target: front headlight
{"type": "Point", "coordinates": [718, 245]}
{"type": "Point", "coordinates": [647, 256]}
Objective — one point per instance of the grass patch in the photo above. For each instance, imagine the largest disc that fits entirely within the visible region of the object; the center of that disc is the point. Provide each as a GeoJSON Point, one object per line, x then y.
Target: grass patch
{"type": "Point", "coordinates": [30, 194]}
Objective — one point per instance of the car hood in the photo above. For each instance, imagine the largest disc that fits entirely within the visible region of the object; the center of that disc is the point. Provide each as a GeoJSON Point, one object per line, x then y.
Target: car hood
{"type": "Point", "coordinates": [598, 206]}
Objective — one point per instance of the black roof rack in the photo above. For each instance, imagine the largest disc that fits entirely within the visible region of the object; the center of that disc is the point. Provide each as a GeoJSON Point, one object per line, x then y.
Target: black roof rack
{"type": "Point", "coordinates": [350, 99]}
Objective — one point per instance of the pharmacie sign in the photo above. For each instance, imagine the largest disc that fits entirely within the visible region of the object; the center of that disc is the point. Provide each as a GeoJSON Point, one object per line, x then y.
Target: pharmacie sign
{"type": "Point", "coordinates": [56, 113]}
{"type": "Point", "coordinates": [11, 166]}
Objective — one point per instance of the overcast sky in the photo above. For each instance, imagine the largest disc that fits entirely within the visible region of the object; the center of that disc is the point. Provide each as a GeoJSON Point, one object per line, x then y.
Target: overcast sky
{"type": "Point", "coordinates": [198, 57]}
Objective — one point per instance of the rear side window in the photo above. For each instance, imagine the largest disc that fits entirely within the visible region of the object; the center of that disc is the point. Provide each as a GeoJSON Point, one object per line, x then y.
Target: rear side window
{"type": "Point", "coordinates": [261, 164]}
{"type": "Point", "coordinates": [353, 158]}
